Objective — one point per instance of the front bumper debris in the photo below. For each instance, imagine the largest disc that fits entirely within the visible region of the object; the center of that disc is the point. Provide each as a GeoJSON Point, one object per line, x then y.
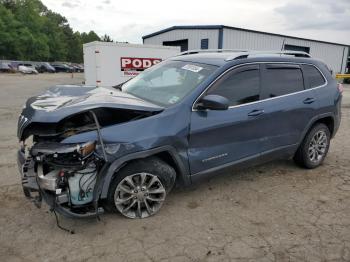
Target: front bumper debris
{"type": "Point", "coordinates": [28, 178]}
{"type": "Point", "coordinates": [37, 187]}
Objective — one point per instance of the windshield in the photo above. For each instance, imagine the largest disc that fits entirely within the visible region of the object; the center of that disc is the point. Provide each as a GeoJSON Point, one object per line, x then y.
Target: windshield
{"type": "Point", "coordinates": [168, 82]}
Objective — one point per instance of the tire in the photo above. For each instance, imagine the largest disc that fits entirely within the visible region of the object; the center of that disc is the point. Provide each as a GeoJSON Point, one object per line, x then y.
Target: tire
{"type": "Point", "coordinates": [311, 151]}
{"type": "Point", "coordinates": [139, 189]}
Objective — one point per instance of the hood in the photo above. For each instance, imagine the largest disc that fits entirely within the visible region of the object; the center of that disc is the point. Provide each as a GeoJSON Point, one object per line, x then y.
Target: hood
{"type": "Point", "coordinates": [59, 102]}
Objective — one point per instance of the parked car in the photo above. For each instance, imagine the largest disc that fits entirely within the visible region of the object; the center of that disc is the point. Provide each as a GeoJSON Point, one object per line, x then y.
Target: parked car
{"type": "Point", "coordinates": [45, 68]}
{"type": "Point", "coordinates": [27, 68]}
{"type": "Point", "coordinates": [81, 68]}
{"type": "Point", "coordinates": [78, 68]}
{"type": "Point", "coordinates": [178, 122]}
{"type": "Point", "coordinates": [62, 68]}
{"type": "Point", "coordinates": [6, 68]}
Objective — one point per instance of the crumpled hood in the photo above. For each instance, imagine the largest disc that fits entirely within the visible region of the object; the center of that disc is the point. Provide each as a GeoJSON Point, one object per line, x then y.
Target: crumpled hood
{"type": "Point", "coordinates": [59, 102]}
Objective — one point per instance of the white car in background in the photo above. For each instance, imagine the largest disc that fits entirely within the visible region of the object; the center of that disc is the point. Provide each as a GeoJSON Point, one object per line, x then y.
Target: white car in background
{"type": "Point", "coordinates": [27, 69]}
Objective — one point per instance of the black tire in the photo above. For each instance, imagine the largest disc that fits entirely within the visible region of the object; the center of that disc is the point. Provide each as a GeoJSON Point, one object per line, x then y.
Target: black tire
{"type": "Point", "coordinates": [152, 165]}
{"type": "Point", "coordinates": [302, 156]}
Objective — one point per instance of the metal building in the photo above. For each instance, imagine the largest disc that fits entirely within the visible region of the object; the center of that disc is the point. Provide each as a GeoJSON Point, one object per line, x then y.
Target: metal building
{"type": "Point", "coordinates": [335, 55]}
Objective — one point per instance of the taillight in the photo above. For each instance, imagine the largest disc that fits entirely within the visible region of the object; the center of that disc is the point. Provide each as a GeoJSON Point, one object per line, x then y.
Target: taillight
{"type": "Point", "coordinates": [340, 87]}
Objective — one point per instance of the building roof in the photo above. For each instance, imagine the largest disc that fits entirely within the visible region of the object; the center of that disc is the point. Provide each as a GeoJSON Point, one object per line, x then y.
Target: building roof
{"type": "Point", "coordinates": [210, 27]}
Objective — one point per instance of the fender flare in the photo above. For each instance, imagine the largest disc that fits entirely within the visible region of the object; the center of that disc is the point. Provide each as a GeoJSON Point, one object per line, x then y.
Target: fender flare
{"type": "Point", "coordinates": [118, 163]}
{"type": "Point", "coordinates": [312, 122]}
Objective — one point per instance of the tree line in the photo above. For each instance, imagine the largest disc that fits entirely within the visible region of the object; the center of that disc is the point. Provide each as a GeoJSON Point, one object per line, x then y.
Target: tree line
{"type": "Point", "coordinates": [30, 31]}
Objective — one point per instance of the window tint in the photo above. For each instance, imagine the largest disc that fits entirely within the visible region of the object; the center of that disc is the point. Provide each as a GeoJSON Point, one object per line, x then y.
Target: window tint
{"type": "Point", "coordinates": [282, 80]}
{"type": "Point", "coordinates": [239, 87]}
{"type": "Point", "coordinates": [313, 75]}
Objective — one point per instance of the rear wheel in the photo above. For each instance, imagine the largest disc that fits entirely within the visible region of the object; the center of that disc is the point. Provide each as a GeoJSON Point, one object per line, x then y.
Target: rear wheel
{"type": "Point", "coordinates": [314, 147]}
{"type": "Point", "coordinates": [140, 188]}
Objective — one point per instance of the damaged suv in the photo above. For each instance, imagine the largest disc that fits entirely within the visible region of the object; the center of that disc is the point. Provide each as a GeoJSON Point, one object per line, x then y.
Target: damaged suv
{"type": "Point", "coordinates": [87, 149]}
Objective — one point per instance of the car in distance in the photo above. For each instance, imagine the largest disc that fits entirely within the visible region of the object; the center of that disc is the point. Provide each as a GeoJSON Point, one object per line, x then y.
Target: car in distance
{"type": "Point", "coordinates": [27, 68]}
{"type": "Point", "coordinates": [45, 67]}
{"type": "Point", "coordinates": [78, 68]}
{"type": "Point", "coordinates": [86, 149]}
{"type": "Point", "coordinates": [62, 68]}
{"type": "Point", "coordinates": [6, 67]}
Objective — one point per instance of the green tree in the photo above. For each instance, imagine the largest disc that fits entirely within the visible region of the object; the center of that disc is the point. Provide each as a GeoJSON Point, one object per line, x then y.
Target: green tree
{"type": "Point", "coordinates": [52, 28]}
{"type": "Point", "coordinates": [89, 37]}
{"type": "Point", "coordinates": [106, 38]}
{"type": "Point", "coordinates": [30, 31]}
{"type": "Point", "coordinates": [75, 51]}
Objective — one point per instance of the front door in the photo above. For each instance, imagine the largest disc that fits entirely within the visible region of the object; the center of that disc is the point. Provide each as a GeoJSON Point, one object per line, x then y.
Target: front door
{"type": "Point", "coordinates": [218, 138]}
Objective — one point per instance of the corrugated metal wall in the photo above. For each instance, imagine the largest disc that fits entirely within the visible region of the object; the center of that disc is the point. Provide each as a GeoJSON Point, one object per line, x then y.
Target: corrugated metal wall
{"type": "Point", "coordinates": [333, 55]}
{"type": "Point", "coordinates": [194, 37]}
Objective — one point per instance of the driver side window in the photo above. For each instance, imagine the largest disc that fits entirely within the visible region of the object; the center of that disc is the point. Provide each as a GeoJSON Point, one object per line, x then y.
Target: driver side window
{"type": "Point", "coordinates": [239, 86]}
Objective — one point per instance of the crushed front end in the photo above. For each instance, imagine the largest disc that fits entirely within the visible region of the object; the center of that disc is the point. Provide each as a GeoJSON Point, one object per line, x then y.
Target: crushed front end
{"type": "Point", "coordinates": [64, 175]}
{"type": "Point", "coordinates": [69, 176]}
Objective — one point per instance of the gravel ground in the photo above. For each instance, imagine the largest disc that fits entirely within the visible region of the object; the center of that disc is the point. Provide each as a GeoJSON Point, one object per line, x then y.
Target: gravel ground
{"type": "Point", "coordinates": [274, 212]}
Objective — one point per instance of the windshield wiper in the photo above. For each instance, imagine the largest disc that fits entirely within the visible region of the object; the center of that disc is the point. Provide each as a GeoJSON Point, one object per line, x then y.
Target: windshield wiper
{"type": "Point", "coordinates": [119, 86]}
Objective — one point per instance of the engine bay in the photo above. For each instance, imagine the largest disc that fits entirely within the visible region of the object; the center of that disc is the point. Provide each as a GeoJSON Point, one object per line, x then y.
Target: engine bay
{"type": "Point", "coordinates": [66, 174]}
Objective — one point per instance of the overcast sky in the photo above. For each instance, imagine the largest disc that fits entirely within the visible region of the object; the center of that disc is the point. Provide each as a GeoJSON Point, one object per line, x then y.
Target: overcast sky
{"type": "Point", "coordinates": [327, 20]}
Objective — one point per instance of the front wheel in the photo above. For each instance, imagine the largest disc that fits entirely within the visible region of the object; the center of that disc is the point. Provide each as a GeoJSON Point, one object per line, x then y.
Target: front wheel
{"type": "Point", "coordinates": [314, 147]}
{"type": "Point", "coordinates": [139, 189]}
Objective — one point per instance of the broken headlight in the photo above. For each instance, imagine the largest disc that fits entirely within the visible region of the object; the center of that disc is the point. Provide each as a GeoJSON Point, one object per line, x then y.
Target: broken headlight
{"type": "Point", "coordinates": [63, 154]}
{"type": "Point", "coordinates": [87, 148]}
{"type": "Point", "coordinates": [114, 148]}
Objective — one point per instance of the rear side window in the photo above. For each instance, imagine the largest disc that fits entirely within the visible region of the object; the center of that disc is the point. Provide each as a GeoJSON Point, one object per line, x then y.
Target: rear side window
{"type": "Point", "coordinates": [239, 86]}
{"type": "Point", "coordinates": [282, 80]}
{"type": "Point", "coordinates": [313, 76]}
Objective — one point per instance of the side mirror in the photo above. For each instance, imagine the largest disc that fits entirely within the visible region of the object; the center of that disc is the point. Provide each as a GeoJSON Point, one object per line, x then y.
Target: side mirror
{"type": "Point", "coordinates": [213, 102]}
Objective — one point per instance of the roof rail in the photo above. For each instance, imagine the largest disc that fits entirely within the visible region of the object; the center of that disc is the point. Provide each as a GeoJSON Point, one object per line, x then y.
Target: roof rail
{"type": "Point", "coordinates": [264, 53]}
{"type": "Point", "coordinates": [197, 51]}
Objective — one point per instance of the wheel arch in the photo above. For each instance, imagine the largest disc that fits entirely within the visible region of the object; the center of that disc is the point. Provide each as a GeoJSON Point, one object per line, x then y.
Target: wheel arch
{"type": "Point", "coordinates": [302, 156]}
{"type": "Point", "coordinates": [168, 154]}
{"type": "Point", "coordinates": [327, 119]}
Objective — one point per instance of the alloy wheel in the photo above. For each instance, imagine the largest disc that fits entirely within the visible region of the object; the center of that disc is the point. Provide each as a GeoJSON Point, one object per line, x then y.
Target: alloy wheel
{"type": "Point", "coordinates": [318, 146]}
{"type": "Point", "coordinates": [139, 195]}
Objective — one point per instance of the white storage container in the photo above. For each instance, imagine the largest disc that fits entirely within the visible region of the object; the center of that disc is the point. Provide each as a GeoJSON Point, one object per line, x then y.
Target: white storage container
{"type": "Point", "coordinates": [109, 64]}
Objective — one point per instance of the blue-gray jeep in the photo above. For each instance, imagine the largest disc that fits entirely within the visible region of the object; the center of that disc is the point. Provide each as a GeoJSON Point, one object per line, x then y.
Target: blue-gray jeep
{"type": "Point", "coordinates": [87, 149]}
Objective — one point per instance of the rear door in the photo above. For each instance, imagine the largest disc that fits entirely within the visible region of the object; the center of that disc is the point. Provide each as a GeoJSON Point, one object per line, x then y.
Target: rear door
{"type": "Point", "coordinates": [288, 105]}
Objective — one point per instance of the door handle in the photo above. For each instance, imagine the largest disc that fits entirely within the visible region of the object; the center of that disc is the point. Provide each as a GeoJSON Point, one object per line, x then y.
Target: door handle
{"type": "Point", "coordinates": [256, 112]}
{"type": "Point", "coordinates": [309, 100]}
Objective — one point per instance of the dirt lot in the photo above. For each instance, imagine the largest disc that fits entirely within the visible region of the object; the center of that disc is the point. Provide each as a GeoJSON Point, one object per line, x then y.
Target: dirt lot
{"type": "Point", "coordinates": [275, 212]}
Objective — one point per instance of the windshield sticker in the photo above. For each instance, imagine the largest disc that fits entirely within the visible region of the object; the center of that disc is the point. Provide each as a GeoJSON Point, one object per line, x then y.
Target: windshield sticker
{"type": "Point", "coordinates": [173, 99]}
{"type": "Point", "coordinates": [192, 68]}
